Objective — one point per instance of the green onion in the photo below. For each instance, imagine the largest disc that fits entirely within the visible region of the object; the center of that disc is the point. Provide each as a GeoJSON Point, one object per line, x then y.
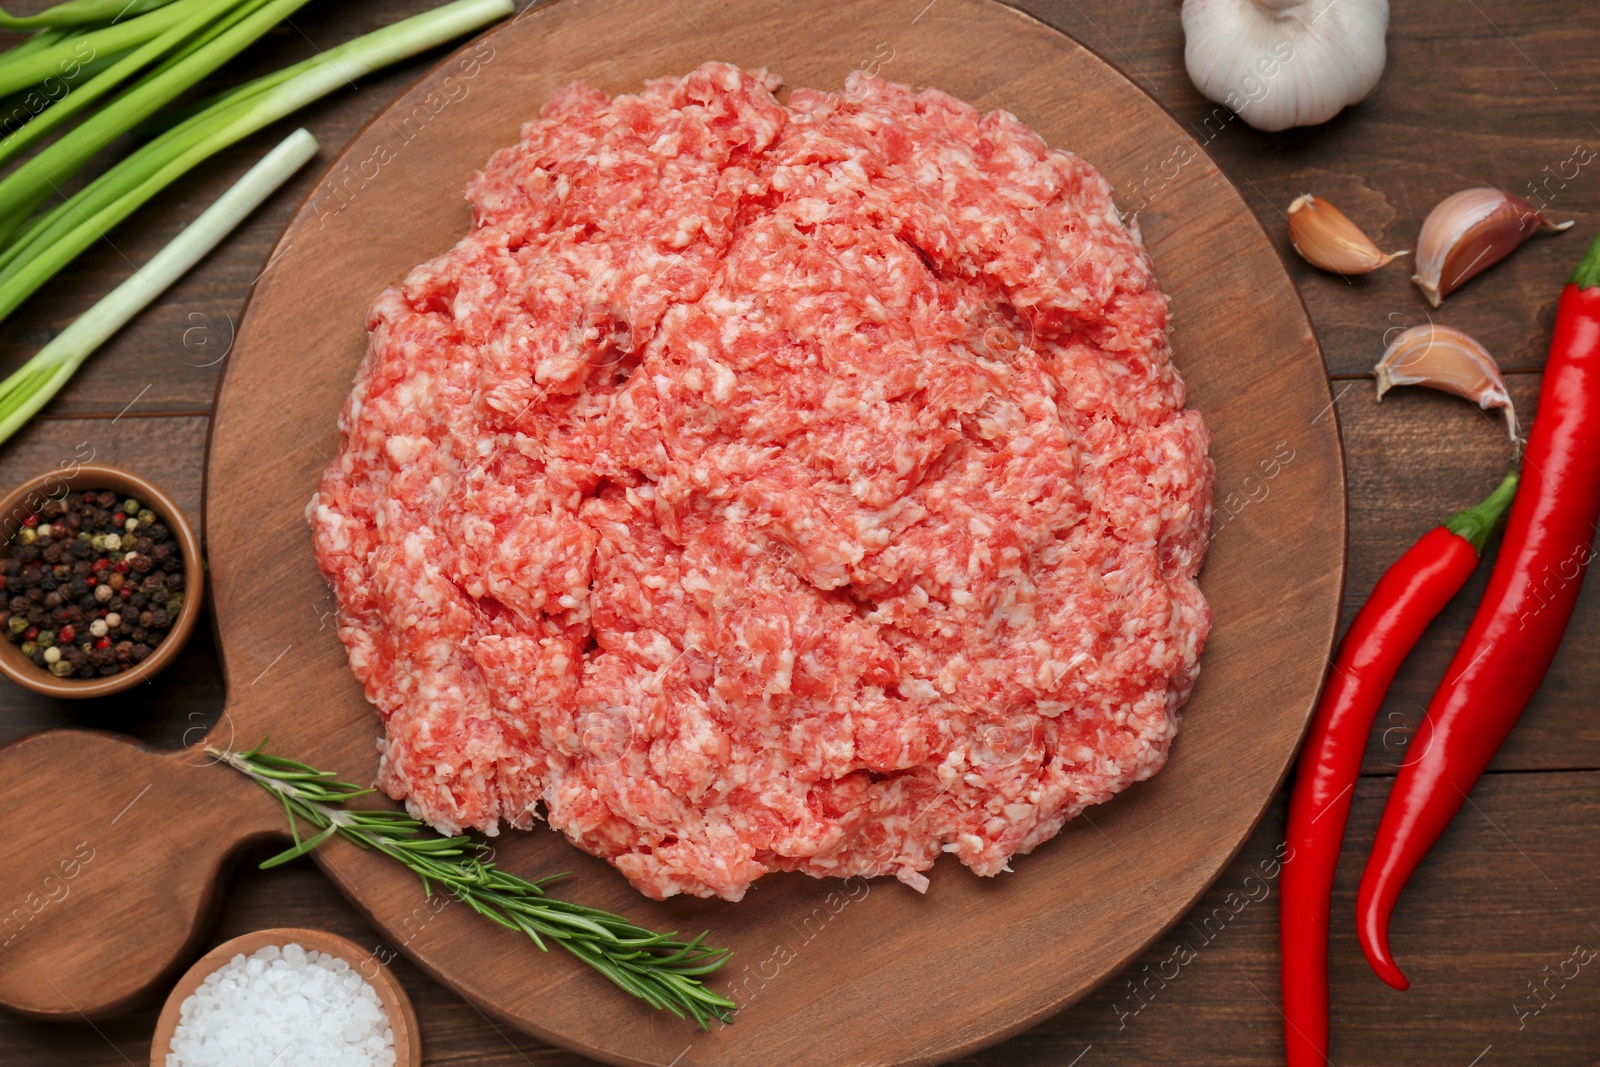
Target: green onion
{"type": "Point", "coordinates": [32, 183]}
{"type": "Point", "coordinates": [46, 244]}
{"type": "Point", "coordinates": [31, 387]}
{"type": "Point", "coordinates": [79, 13]}
{"type": "Point", "coordinates": [200, 14]}
{"type": "Point", "coordinates": [38, 64]}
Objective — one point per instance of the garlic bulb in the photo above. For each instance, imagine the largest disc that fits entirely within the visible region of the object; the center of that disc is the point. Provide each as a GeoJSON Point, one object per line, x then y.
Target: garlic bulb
{"type": "Point", "coordinates": [1282, 63]}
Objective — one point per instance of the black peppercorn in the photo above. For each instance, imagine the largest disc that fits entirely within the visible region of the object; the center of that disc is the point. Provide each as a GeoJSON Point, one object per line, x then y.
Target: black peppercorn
{"type": "Point", "coordinates": [77, 567]}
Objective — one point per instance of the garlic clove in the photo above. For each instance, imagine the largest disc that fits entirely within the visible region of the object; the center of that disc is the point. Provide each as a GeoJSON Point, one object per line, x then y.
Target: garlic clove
{"type": "Point", "coordinates": [1325, 237]}
{"type": "Point", "coordinates": [1469, 232]}
{"type": "Point", "coordinates": [1445, 358]}
{"type": "Point", "coordinates": [1283, 63]}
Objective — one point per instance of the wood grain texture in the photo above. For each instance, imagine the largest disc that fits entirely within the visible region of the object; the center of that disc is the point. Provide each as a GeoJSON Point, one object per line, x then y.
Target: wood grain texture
{"type": "Point", "coordinates": [1086, 904]}
{"type": "Point", "coordinates": [1477, 926]}
{"type": "Point", "coordinates": [1461, 98]}
{"type": "Point", "coordinates": [1484, 93]}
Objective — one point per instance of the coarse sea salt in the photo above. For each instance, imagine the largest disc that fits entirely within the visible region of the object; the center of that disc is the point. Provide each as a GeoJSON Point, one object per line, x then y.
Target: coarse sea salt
{"type": "Point", "coordinates": [283, 1006]}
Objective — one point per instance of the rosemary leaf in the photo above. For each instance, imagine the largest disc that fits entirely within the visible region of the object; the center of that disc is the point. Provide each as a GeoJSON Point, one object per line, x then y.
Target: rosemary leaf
{"type": "Point", "coordinates": [659, 969]}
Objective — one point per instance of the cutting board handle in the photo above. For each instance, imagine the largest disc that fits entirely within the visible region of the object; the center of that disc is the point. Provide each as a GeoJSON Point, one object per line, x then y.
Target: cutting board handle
{"type": "Point", "coordinates": [112, 860]}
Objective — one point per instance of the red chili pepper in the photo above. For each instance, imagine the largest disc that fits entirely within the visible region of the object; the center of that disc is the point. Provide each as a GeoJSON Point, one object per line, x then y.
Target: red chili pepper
{"type": "Point", "coordinates": [1514, 636]}
{"type": "Point", "coordinates": [1406, 599]}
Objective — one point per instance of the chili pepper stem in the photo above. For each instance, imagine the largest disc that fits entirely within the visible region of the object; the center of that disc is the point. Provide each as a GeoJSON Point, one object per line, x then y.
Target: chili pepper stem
{"type": "Point", "coordinates": [1474, 524]}
{"type": "Point", "coordinates": [1587, 275]}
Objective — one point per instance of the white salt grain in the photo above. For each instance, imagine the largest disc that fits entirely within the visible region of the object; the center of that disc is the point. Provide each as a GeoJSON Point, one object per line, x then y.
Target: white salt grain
{"type": "Point", "coordinates": [279, 1007]}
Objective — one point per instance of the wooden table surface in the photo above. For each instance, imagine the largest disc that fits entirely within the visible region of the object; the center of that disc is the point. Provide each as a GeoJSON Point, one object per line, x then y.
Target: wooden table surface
{"type": "Point", "coordinates": [1477, 92]}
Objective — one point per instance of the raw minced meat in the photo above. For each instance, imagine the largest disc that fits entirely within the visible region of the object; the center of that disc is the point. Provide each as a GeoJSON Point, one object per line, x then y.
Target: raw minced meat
{"type": "Point", "coordinates": [772, 486]}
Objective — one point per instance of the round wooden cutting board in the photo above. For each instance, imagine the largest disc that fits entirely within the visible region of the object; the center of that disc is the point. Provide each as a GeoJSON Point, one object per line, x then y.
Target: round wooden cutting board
{"type": "Point", "coordinates": [828, 973]}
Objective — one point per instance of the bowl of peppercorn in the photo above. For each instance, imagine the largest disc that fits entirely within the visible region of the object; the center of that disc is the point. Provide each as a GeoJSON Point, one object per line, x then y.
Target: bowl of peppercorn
{"type": "Point", "coordinates": [103, 581]}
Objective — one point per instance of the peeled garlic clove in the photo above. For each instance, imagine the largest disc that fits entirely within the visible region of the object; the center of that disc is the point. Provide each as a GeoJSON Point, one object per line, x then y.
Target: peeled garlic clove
{"type": "Point", "coordinates": [1470, 232]}
{"type": "Point", "coordinates": [1444, 358]}
{"type": "Point", "coordinates": [1282, 63]}
{"type": "Point", "coordinates": [1325, 237]}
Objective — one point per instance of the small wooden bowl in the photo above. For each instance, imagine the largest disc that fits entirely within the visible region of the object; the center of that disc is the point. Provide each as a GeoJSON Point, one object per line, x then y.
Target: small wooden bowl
{"type": "Point", "coordinates": [32, 494]}
{"type": "Point", "coordinates": [396, 1005]}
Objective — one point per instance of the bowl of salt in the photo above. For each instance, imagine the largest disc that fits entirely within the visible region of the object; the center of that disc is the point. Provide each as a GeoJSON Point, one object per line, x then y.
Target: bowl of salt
{"type": "Point", "coordinates": [287, 996]}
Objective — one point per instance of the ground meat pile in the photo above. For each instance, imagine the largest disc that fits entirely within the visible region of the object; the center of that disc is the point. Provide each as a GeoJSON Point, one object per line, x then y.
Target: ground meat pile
{"type": "Point", "coordinates": [771, 486]}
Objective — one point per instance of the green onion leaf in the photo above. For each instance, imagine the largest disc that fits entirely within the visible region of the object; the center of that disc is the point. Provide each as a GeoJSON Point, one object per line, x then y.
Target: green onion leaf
{"type": "Point", "coordinates": [31, 387]}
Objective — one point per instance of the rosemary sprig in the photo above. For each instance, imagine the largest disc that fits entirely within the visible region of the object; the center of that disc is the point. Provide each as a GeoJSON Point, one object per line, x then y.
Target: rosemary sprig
{"type": "Point", "coordinates": [657, 968]}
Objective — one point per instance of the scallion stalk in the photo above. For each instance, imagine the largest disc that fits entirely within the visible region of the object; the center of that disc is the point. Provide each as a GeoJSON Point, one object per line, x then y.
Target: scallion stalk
{"type": "Point", "coordinates": [32, 386]}
{"type": "Point", "coordinates": [34, 181]}
{"type": "Point", "coordinates": [47, 243]}
{"type": "Point", "coordinates": [201, 14]}
{"type": "Point", "coordinates": [79, 13]}
{"type": "Point", "coordinates": [38, 64]}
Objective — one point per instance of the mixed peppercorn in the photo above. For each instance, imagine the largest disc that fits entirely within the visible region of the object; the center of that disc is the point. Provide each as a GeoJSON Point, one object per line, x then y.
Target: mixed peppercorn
{"type": "Point", "coordinates": [93, 584]}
